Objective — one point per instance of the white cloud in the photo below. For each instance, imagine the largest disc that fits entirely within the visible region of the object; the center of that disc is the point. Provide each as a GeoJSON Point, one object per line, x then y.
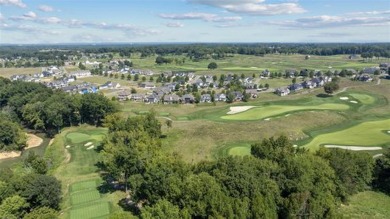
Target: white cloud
{"type": "Point", "coordinates": [253, 7]}
{"type": "Point", "coordinates": [29, 29]}
{"type": "Point", "coordinates": [50, 20]}
{"type": "Point", "coordinates": [29, 16]}
{"type": "Point", "coordinates": [367, 13]}
{"type": "Point", "coordinates": [46, 8]}
{"type": "Point", "coordinates": [17, 3]}
{"type": "Point", "coordinates": [1, 17]}
{"type": "Point", "coordinates": [333, 21]}
{"type": "Point", "coordinates": [200, 16]}
{"type": "Point", "coordinates": [175, 25]}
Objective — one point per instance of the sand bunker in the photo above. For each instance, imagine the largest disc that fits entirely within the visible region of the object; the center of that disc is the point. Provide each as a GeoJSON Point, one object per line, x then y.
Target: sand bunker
{"type": "Point", "coordinates": [88, 144]}
{"type": "Point", "coordinates": [352, 101]}
{"type": "Point", "coordinates": [238, 109]}
{"type": "Point", "coordinates": [377, 155]}
{"type": "Point", "coordinates": [90, 147]}
{"type": "Point", "coordinates": [33, 141]}
{"type": "Point", "coordinates": [354, 148]}
{"type": "Point", "coordinates": [344, 98]}
{"type": "Point", "coordinates": [67, 146]}
{"type": "Point", "coordinates": [287, 115]}
{"type": "Point", "coordinates": [267, 119]}
{"type": "Point", "coordinates": [11, 154]}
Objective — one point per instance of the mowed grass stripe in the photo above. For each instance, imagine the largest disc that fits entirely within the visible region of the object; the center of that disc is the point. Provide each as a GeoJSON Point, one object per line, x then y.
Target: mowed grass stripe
{"type": "Point", "coordinates": [274, 110]}
{"type": "Point", "coordinates": [372, 133]}
{"type": "Point", "coordinates": [98, 209]}
{"type": "Point", "coordinates": [79, 186]}
{"type": "Point", "coordinates": [84, 197]}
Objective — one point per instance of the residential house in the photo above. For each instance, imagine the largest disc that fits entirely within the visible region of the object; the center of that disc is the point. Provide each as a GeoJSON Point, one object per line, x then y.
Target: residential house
{"type": "Point", "coordinates": [137, 97]}
{"type": "Point", "coordinates": [282, 91]}
{"type": "Point", "coordinates": [205, 98]}
{"type": "Point", "coordinates": [295, 87]}
{"type": "Point", "coordinates": [309, 84]}
{"type": "Point", "coordinates": [147, 85]}
{"type": "Point", "coordinates": [124, 95]}
{"type": "Point", "coordinates": [252, 92]}
{"type": "Point", "coordinates": [110, 85]}
{"type": "Point", "coordinates": [371, 70]}
{"type": "Point", "coordinates": [171, 98]}
{"type": "Point", "coordinates": [364, 78]}
{"type": "Point", "coordinates": [188, 98]}
{"type": "Point", "coordinates": [238, 96]}
{"type": "Point", "coordinates": [80, 74]}
{"type": "Point", "coordinates": [219, 97]}
{"type": "Point", "coordinates": [319, 82]}
{"type": "Point", "coordinates": [153, 98]}
{"type": "Point", "coordinates": [266, 73]}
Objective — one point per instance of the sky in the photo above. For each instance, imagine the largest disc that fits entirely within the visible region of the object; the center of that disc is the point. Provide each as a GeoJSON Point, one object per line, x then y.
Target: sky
{"type": "Point", "coordinates": [172, 21]}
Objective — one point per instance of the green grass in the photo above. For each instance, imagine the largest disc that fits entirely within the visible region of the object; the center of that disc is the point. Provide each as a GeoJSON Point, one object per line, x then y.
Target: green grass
{"type": "Point", "coordinates": [367, 204]}
{"type": "Point", "coordinates": [365, 134]}
{"type": "Point", "coordinates": [76, 137]}
{"type": "Point", "coordinates": [8, 72]}
{"type": "Point", "coordinates": [79, 186]}
{"type": "Point", "coordinates": [240, 151]}
{"type": "Point", "coordinates": [84, 196]}
{"type": "Point", "coordinates": [363, 98]}
{"type": "Point", "coordinates": [275, 110]}
{"type": "Point", "coordinates": [94, 210]}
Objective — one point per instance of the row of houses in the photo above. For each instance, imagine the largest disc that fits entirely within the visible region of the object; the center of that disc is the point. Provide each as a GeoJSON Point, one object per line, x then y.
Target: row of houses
{"type": "Point", "coordinates": [308, 84]}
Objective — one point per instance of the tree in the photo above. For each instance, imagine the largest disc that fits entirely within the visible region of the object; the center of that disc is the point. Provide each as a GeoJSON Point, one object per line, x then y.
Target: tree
{"type": "Point", "coordinates": [168, 122]}
{"type": "Point", "coordinates": [163, 209]}
{"type": "Point", "coordinates": [331, 87]}
{"type": "Point", "coordinates": [41, 190]}
{"type": "Point", "coordinates": [382, 173]}
{"type": "Point", "coordinates": [94, 107]}
{"type": "Point", "coordinates": [42, 213]}
{"type": "Point", "coordinates": [128, 77]}
{"type": "Point", "coordinates": [12, 136]}
{"type": "Point", "coordinates": [37, 163]}
{"type": "Point", "coordinates": [14, 206]}
{"type": "Point", "coordinates": [82, 67]}
{"type": "Point", "coordinates": [212, 66]}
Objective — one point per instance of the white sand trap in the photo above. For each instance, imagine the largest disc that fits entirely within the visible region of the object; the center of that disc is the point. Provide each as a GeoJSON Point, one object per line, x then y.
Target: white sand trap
{"type": "Point", "coordinates": [67, 146]}
{"type": "Point", "coordinates": [295, 145]}
{"type": "Point", "coordinates": [88, 144]}
{"type": "Point", "coordinates": [287, 115]}
{"type": "Point", "coordinates": [11, 154]}
{"type": "Point", "coordinates": [90, 147]}
{"type": "Point", "coordinates": [388, 132]}
{"type": "Point", "coordinates": [352, 101]}
{"type": "Point", "coordinates": [267, 119]}
{"type": "Point", "coordinates": [354, 148]}
{"type": "Point", "coordinates": [238, 109]}
{"type": "Point", "coordinates": [344, 98]}
{"type": "Point", "coordinates": [377, 155]}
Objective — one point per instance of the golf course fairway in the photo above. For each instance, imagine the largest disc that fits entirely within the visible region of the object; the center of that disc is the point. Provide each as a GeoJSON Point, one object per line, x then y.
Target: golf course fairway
{"type": "Point", "coordinates": [372, 133]}
{"type": "Point", "coordinates": [258, 113]}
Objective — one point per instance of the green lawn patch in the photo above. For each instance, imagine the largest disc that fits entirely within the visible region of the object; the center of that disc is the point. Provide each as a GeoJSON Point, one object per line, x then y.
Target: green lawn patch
{"type": "Point", "coordinates": [275, 110]}
{"type": "Point", "coordinates": [367, 204]}
{"type": "Point", "coordinates": [84, 196]}
{"type": "Point", "coordinates": [363, 98]}
{"type": "Point", "coordinates": [79, 186]}
{"type": "Point", "coordinates": [234, 149]}
{"type": "Point", "coordinates": [240, 151]}
{"type": "Point", "coordinates": [77, 137]}
{"type": "Point", "coordinates": [93, 210]}
{"type": "Point", "coordinates": [365, 134]}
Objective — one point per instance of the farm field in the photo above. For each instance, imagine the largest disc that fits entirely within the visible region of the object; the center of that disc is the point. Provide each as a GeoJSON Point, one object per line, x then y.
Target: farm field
{"type": "Point", "coordinates": [8, 72]}
{"type": "Point", "coordinates": [74, 151]}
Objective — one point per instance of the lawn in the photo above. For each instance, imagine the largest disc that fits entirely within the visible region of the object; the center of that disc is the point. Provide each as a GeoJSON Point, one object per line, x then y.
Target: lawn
{"type": "Point", "coordinates": [363, 98]}
{"type": "Point", "coordinates": [367, 204]}
{"type": "Point", "coordinates": [93, 210]}
{"type": "Point", "coordinates": [84, 196]}
{"type": "Point", "coordinates": [233, 149]}
{"type": "Point", "coordinates": [264, 112]}
{"type": "Point", "coordinates": [8, 72]}
{"type": "Point", "coordinates": [372, 133]}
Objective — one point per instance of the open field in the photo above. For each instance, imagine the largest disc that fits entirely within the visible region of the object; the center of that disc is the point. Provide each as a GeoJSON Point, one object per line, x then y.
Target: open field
{"type": "Point", "coordinates": [249, 64]}
{"type": "Point", "coordinates": [94, 210]}
{"type": "Point", "coordinates": [367, 204]}
{"type": "Point", "coordinates": [8, 72]}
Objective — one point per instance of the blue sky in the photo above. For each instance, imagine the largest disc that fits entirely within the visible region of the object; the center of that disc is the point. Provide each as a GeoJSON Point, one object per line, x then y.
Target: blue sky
{"type": "Point", "coordinates": [96, 21]}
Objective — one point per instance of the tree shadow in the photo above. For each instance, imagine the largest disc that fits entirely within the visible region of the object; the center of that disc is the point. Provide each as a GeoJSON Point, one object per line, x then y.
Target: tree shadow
{"type": "Point", "coordinates": [128, 205]}
{"type": "Point", "coordinates": [323, 95]}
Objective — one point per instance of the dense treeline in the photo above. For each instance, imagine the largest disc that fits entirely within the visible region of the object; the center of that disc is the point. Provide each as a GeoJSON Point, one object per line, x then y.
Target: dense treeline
{"type": "Point", "coordinates": [277, 181]}
{"type": "Point", "coordinates": [195, 51]}
{"type": "Point", "coordinates": [41, 108]}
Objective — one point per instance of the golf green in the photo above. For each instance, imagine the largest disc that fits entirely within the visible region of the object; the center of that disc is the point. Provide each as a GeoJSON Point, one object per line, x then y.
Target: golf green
{"type": "Point", "coordinates": [274, 110]}
{"type": "Point", "coordinates": [371, 133]}
{"type": "Point", "coordinates": [239, 151]}
{"type": "Point", "coordinates": [77, 137]}
{"type": "Point", "coordinates": [363, 98]}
